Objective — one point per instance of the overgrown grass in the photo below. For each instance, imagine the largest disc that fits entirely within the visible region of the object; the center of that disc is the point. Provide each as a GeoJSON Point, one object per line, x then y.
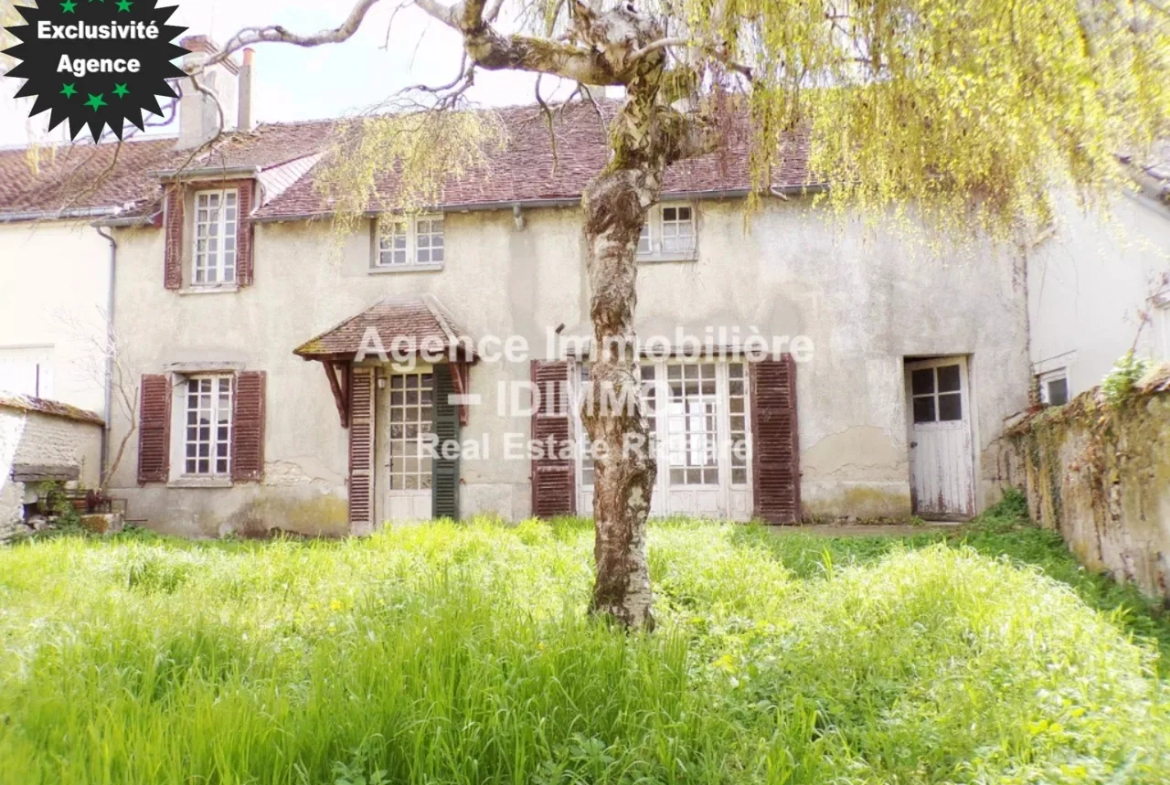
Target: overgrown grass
{"type": "Point", "coordinates": [460, 654]}
{"type": "Point", "coordinates": [1004, 532]}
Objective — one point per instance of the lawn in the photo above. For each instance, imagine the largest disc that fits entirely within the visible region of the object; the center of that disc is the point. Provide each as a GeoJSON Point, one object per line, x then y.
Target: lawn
{"type": "Point", "coordinates": [459, 653]}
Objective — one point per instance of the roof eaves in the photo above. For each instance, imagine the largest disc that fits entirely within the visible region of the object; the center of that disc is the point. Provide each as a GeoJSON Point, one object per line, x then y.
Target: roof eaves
{"type": "Point", "coordinates": [58, 215]}
{"type": "Point", "coordinates": [205, 172]}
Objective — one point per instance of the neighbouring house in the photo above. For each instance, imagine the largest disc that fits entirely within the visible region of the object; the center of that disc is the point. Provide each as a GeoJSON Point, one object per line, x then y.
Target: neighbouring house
{"type": "Point", "coordinates": [42, 444]}
{"type": "Point", "coordinates": [1099, 287]}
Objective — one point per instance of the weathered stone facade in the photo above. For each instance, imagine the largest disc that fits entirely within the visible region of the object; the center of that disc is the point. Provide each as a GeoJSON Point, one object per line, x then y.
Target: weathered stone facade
{"type": "Point", "coordinates": [41, 441]}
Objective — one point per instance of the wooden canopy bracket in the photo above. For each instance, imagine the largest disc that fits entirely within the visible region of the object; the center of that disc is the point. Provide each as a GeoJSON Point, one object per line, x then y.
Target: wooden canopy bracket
{"type": "Point", "coordinates": [339, 373]}
{"type": "Point", "coordinates": [459, 379]}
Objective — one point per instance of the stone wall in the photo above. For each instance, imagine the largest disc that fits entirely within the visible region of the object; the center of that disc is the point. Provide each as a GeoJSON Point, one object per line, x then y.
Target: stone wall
{"type": "Point", "coordinates": [1100, 474]}
{"type": "Point", "coordinates": [44, 434]}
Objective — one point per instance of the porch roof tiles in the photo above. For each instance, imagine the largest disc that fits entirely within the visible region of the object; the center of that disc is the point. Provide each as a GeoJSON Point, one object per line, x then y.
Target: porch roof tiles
{"type": "Point", "coordinates": [404, 325]}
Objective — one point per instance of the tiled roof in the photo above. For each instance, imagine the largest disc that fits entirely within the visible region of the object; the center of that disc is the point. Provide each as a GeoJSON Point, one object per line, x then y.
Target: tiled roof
{"type": "Point", "coordinates": [26, 403]}
{"type": "Point", "coordinates": [69, 179]}
{"type": "Point", "coordinates": [82, 176]}
{"type": "Point", "coordinates": [407, 325]}
{"type": "Point", "coordinates": [526, 170]}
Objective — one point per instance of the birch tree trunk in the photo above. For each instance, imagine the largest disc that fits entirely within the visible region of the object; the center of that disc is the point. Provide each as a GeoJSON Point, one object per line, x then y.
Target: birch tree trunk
{"type": "Point", "coordinates": [615, 206]}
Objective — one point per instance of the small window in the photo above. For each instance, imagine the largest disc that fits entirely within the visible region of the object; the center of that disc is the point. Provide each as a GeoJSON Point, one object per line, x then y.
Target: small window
{"type": "Point", "coordinates": [208, 438]}
{"type": "Point", "coordinates": [1054, 387]}
{"type": "Point", "coordinates": [405, 243]}
{"type": "Point", "coordinates": [937, 394]}
{"type": "Point", "coordinates": [215, 238]}
{"type": "Point", "coordinates": [668, 234]}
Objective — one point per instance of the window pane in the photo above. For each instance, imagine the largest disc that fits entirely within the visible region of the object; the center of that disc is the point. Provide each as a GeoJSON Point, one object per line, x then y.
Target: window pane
{"type": "Point", "coordinates": [948, 378]}
{"type": "Point", "coordinates": [924, 409]}
{"type": "Point", "coordinates": [1058, 392]}
{"type": "Point", "coordinates": [950, 406]}
{"type": "Point", "coordinates": [922, 381]}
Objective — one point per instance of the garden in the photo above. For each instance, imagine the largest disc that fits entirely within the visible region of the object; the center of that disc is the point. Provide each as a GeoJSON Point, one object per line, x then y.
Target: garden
{"type": "Point", "coordinates": [461, 653]}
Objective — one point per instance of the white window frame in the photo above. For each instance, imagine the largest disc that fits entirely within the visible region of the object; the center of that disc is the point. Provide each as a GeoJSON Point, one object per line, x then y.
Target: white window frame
{"type": "Point", "coordinates": [726, 464]}
{"type": "Point", "coordinates": [1053, 376]}
{"type": "Point", "coordinates": [203, 261]}
{"type": "Point", "coordinates": [412, 246]}
{"type": "Point", "coordinates": [654, 234]}
{"type": "Point", "coordinates": [184, 434]}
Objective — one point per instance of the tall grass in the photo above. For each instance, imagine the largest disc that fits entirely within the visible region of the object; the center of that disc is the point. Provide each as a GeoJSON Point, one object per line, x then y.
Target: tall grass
{"type": "Point", "coordinates": [460, 654]}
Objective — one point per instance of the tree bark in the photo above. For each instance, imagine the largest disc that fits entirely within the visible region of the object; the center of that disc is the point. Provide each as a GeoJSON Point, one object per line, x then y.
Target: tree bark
{"type": "Point", "coordinates": [615, 206]}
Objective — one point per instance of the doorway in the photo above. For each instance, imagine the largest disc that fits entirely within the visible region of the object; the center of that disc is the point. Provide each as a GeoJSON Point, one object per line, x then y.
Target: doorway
{"type": "Point", "coordinates": [942, 462]}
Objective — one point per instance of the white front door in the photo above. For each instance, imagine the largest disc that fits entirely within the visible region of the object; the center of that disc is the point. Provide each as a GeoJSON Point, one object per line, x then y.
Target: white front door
{"type": "Point", "coordinates": [942, 466]}
{"type": "Point", "coordinates": [697, 415]}
{"type": "Point", "coordinates": [408, 469]}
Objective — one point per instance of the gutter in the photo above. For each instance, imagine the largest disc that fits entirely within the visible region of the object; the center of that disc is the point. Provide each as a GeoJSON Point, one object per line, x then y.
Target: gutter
{"type": "Point", "coordinates": [471, 207]}
{"type": "Point", "coordinates": [167, 175]}
{"type": "Point", "coordinates": [111, 347]}
{"type": "Point", "coordinates": [58, 215]}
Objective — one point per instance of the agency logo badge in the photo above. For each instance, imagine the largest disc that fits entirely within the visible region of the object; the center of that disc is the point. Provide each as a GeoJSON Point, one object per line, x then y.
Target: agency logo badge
{"type": "Point", "coordinates": [95, 63]}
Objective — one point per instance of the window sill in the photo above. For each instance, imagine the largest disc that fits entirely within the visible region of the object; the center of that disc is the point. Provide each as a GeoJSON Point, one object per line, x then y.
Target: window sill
{"type": "Point", "coordinates": [659, 258]}
{"type": "Point", "coordinates": [406, 268]}
{"type": "Point", "coordinates": [200, 482]}
{"type": "Point", "coordinates": [216, 289]}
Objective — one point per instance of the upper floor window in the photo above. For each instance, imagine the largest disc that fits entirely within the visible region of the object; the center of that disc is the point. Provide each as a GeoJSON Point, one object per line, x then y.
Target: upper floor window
{"type": "Point", "coordinates": [410, 243]}
{"type": "Point", "coordinates": [668, 234]}
{"type": "Point", "coordinates": [216, 217]}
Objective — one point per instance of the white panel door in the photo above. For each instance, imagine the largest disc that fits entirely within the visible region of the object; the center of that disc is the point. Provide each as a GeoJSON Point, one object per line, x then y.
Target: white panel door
{"type": "Point", "coordinates": [942, 464]}
{"type": "Point", "coordinates": [409, 409]}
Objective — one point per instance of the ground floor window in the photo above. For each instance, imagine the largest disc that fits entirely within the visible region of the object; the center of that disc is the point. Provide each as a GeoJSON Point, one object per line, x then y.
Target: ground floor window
{"type": "Point", "coordinates": [697, 414]}
{"type": "Point", "coordinates": [411, 401]}
{"type": "Point", "coordinates": [208, 438]}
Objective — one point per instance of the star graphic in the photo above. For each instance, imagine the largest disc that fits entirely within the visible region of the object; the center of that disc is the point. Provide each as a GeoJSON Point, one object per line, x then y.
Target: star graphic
{"type": "Point", "coordinates": [120, 90]}
{"type": "Point", "coordinates": [69, 90]}
{"type": "Point", "coordinates": [124, 5]}
{"type": "Point", "coordinates": [95, 101]}
{"type": "Point", "coordinates": [69, 7]}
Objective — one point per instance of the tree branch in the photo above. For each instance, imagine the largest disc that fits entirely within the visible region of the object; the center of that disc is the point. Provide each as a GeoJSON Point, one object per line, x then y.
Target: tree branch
{"type": "Point", "coordinates": [278, 34]}
{"type": "Point", "coordinates": [493, 51]}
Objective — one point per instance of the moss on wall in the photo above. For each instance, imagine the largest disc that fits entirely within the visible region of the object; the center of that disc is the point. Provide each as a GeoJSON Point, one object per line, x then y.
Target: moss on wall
{"type": "Point", "coordinates": [321, 516]}
{"type": "Point", "coordinates": [860, 502]}
{"type": "Point", "coordinates": [1100, 474]}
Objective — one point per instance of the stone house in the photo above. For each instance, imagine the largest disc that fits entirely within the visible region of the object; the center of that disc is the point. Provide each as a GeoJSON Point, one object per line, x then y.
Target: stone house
{"type": "Point", "coordinates": [886, 373]}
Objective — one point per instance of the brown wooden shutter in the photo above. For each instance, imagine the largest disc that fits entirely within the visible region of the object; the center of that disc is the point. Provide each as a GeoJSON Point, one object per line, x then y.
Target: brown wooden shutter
{"type": "Point", "coordinates": [775, 443]}
{"type": "Point", "coordinates": [361, 451]}
{"type": "Point", "coordinates": [445, 426]}
{"type": "Point", "coordinates": [154, 429]}
{"type": "Point", "coordinates": [554, 488]}
{"type": "Point", "coordinates": [248, 412]}
{"type": "Point", "coordinates": [244, 235]}
{"type": "Point", "coordinates": [173, 221]}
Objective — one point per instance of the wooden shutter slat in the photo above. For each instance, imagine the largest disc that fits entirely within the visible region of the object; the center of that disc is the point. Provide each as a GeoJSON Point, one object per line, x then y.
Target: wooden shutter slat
{"type": "Point", "coordinates": [361, 450]}
{"type": "Point", "coordinates": [173, 241]}
{"type": "Point", "coordinates": [248, 415]}
{"type": "Point", "coordinates": [775, 441]}
{"type": "Point", "coordinates": [244, 232]}
{"type": "Point", "coordinates": [154, 429]}
{"type": "Point", "coordinates": [444, 471]}
{"type": "Point", "coordinates": [554, 480]}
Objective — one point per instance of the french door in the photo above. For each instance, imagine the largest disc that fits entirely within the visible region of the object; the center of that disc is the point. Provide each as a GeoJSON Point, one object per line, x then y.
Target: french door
{"type": "Point", "coordinates": [698, 416]}
{"type": "Point", "coordinates": [408, 470]}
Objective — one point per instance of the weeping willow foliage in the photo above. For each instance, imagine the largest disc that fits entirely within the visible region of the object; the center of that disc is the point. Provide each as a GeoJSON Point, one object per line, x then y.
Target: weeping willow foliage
{"type": "Point", "coordinates": [402, 161]}
{"type": "Point", "coordinates": [974, 111]}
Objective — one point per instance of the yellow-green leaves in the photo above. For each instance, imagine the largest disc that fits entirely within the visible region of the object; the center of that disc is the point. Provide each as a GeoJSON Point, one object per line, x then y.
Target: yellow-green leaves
{"type": "Point", "coordinates": [402, 162]}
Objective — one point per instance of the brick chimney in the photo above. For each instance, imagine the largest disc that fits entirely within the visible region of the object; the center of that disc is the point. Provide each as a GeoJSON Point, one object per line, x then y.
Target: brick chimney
{"type": "Point", "coordinates": [198, 116]}
{"type": "Point", "coordinates": [245, 112]}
